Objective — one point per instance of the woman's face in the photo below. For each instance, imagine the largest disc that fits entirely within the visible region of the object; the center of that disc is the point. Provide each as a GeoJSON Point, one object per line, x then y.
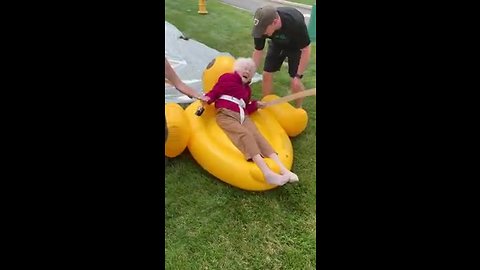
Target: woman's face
{"type": "Point", "coordinates": [246, 72]}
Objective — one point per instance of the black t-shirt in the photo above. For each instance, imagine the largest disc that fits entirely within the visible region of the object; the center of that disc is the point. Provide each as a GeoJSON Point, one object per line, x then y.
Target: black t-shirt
{"type": "Point", "coordinates": [292, 35]}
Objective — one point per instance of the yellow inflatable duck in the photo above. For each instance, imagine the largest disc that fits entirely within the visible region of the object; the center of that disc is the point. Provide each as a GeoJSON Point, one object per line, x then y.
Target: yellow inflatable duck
{"type": "Point", "coordinates": [211, 147]}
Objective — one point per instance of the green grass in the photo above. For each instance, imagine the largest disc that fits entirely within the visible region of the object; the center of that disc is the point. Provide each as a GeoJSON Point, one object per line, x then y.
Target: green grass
{"type": "Point", "coordinates": [306, 2]}
{"type": "Point", "coordinates": [211, 225]}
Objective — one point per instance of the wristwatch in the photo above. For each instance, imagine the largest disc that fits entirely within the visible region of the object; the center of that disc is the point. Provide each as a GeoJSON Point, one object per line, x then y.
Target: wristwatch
{"type": "Point", "coordinates": [298, 76]}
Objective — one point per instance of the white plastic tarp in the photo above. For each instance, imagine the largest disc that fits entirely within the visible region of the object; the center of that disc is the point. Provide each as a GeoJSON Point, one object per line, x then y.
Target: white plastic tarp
{"type": "Point", "coordinates": [189, 58]}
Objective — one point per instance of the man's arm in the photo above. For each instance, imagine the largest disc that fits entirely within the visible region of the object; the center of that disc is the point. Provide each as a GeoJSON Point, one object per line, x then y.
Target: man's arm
{"type": "Point", "coordinates": [257, 56]}
{"type": "Point", "coordinates": [304, 59]}
{"type": "Point", "coordinates": [259, 45]}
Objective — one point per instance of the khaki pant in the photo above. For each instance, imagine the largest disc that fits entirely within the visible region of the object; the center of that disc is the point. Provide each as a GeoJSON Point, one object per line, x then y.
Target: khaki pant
{"type": "Point", "coordinates": [246, 136]}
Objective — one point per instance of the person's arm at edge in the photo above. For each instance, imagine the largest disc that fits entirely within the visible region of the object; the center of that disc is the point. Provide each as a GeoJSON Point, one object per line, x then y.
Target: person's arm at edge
{"type": "Point", "coordinates": [172, 76]}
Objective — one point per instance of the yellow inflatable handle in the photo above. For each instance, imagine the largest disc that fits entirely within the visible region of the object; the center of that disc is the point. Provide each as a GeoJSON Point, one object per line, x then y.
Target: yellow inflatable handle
{"type": "Point", "coordinates": [307, 93]}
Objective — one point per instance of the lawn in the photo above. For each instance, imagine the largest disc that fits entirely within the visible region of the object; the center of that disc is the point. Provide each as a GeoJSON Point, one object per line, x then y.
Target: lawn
{"type": "Point", "coordinates": [211, 225]}
{"type": "Point", "coordinates": [306, 2]}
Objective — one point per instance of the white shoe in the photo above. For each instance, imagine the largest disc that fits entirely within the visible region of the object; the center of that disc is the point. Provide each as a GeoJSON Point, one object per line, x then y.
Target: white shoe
{"type": "Point", "coordinates": [293, 177]}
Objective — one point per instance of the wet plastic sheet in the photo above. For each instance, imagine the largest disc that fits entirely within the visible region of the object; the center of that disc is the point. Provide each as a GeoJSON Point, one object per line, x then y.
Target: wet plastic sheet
{"type": "Point", "coordinates": [189, 58]}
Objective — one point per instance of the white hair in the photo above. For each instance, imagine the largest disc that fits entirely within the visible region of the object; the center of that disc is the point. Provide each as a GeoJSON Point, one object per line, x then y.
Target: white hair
{"type": "Point", "coordinates": [244, 64]}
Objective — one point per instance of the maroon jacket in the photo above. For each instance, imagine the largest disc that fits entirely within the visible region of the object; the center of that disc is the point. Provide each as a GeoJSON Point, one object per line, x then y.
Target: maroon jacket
{"type": "Point", "coordinates": [231, 84]}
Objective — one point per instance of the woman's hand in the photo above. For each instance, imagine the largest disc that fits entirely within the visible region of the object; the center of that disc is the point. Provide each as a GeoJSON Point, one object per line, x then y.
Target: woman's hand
{"type": "Point", "coordinates": [260, 104]}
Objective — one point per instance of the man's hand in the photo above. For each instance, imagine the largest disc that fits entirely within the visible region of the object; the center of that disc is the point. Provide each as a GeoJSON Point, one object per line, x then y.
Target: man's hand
{"type": "Point", "coordinates": [297, 83]}
{"type": "Point", "coordinates": [297, 86]}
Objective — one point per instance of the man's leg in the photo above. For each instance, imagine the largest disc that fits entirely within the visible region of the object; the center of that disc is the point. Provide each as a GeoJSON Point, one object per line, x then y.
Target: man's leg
{"type": "Point", "coordinates": [267, 83]}
{"type": "Point", "coordinates": [296, 84]}
{"type": "Point", "coordinates": [273, 63]}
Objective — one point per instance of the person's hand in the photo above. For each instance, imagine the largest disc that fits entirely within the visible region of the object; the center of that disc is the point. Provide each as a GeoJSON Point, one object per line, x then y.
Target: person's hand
{"type": "Point", "coordinates": [260, 104]}
{"type": "Point", "coordinates": [204, 99]}
{"type": "Point", "coordinates": [297, 83]}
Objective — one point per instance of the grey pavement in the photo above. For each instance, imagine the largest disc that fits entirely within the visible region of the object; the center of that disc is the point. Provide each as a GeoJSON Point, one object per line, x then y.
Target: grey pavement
{"type": "Point", "coordinates": [252, 5]}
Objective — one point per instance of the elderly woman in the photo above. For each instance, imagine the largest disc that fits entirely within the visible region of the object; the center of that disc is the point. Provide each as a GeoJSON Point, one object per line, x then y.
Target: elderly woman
{"type": "Point", "coordinates": [231, 95]}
